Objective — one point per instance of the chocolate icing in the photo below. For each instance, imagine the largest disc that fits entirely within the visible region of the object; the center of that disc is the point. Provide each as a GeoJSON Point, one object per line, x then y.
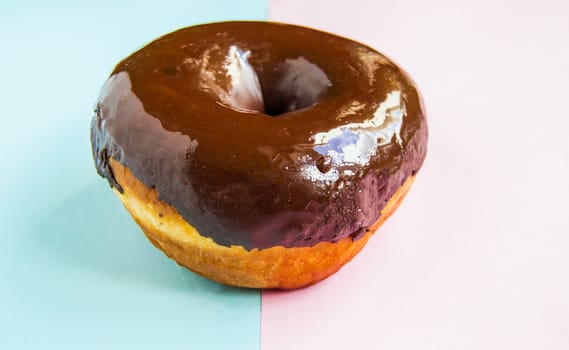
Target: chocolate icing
{"type": "Point", "coordinates": [337, 130]}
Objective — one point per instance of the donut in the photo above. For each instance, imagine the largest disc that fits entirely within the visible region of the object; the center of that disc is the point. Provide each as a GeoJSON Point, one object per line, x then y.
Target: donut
{"type": "Point", "coordinates": [259, 154]}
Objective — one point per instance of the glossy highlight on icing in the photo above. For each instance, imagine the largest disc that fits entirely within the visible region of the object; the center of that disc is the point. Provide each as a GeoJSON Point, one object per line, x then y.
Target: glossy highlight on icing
{"type": "Point", "coordinates": [262, 134]}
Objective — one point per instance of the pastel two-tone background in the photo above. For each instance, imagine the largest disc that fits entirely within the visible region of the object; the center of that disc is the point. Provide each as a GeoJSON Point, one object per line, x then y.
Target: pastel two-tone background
{"type": "Point", "coordinates": [477, 257]}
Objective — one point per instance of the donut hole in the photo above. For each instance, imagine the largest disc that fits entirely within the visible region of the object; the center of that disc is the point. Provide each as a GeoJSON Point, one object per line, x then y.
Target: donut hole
{"type": "Point", "coordinates": [292, 85]}
{"type": "Point", "coordinates": [273, 89]}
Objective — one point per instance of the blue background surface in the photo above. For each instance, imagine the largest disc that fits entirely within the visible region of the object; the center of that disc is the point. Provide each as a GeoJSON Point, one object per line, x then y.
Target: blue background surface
{"type": "Point", "coordinates": [76, 272]}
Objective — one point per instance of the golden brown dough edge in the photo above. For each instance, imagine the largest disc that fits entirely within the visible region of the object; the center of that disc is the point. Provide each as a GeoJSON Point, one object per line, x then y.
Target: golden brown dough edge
{"type": "Point", "coordinates": [275, 267]}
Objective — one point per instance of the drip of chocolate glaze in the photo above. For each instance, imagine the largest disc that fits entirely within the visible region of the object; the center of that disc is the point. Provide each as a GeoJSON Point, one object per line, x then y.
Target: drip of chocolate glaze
{"type": "Point", "coordinates": [314, 156]}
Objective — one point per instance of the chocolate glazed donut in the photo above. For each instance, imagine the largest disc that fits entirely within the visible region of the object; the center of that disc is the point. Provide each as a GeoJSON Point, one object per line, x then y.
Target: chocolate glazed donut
{"type": "Point", "coordinates": [261, 135]}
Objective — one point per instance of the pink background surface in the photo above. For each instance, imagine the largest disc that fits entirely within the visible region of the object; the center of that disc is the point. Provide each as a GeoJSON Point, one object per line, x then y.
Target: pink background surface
{"type": "Point", "coordinates": [477, 255]}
